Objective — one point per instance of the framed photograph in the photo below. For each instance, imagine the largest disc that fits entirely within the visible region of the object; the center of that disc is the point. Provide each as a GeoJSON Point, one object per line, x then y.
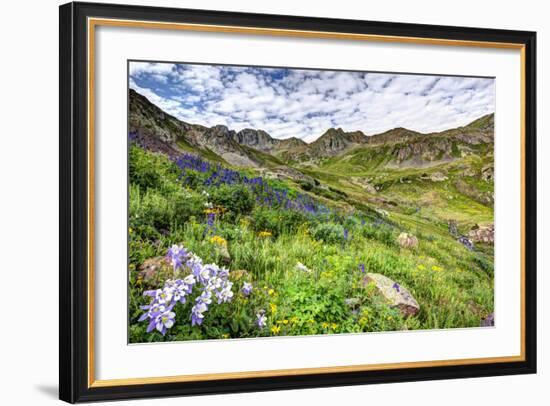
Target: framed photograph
{"type": "Point", "coordinates": [257, 202]}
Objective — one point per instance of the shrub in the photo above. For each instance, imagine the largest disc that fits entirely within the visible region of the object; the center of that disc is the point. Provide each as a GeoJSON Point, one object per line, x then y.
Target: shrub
{"type": "Point", "coordinates": [150, 170]}
{"type": "Point", "coordinates": [277, 221]}
{"type": "Point", "coordinates": [236, 199]}
{"type": "Point", "coordinates": [382, 233]}
{"type": "Point", "coordinates": [161, 210]}
{"type": "Point", "coordinates": [330, 233]}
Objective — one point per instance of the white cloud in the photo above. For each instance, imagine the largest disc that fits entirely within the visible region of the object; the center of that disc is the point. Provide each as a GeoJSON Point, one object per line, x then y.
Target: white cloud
{"type": "Point", "coordinates": [305, 103]}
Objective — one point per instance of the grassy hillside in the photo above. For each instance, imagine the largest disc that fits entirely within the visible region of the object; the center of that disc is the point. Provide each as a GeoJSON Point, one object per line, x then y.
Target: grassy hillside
{"type": "Point", "coordinates": [297, 250]}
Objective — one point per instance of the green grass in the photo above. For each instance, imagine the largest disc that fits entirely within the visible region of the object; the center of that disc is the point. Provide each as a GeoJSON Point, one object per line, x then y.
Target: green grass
{"type": "Point", "coordinates": [454, 286]}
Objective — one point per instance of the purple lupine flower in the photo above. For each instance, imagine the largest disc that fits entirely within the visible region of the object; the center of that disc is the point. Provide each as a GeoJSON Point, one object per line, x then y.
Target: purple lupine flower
{"type": "Point", "coordinates": [396, 286]}
{"type": "Point", "coordinates": [261, 319]}
{"type": "Point", "coordinates": [362, 268]}
{"type": "Point", "coordinates": [345, 234]}
{"type": "Point", "coordinates": [211, 217]}
{"type": "Point", "coordinates": [247, 289]}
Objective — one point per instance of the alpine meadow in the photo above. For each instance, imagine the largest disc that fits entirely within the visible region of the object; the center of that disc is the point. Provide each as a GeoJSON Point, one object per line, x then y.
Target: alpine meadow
{"type": "Point", "coordinates": [291, 202]}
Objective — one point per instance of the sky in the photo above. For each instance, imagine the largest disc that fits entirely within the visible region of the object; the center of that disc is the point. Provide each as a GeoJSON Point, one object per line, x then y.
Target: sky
{"type": "Point", "coordinates": [288, 102]}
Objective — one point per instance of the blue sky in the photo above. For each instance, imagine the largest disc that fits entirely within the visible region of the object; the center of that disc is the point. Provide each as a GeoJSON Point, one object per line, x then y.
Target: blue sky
{"type": "Point", "coordinates": [305, 103]}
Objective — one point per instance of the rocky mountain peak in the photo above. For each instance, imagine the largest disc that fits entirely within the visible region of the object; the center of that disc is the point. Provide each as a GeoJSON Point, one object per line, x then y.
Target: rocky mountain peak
{"type": "Point", "coordinates": [336, 140]}
{"type": "Point", "coordinates": [257, 139]}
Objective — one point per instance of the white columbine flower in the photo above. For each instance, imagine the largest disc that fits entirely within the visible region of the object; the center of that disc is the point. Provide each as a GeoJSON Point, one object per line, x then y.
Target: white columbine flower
{"type": "Point", "coordinates": [189, 280]}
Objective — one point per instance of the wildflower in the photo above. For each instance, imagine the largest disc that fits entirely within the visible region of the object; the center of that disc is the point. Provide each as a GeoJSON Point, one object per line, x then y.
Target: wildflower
{"type": "Point", "coordinates": [218, 240]}
{"type": "Point", "coordinates": [225, 336]}
{"type": "Point", "coordinates": [179, 290]}
{"type": "Point", "coordinates": [421, 267]}
{"type": "Point", "coordinates": [164, 320]}
{"type": "Point", "coordinates": [176, 254]}
{"type": "Point", "coordinates": [270, 292]}
{"type": "Point", "coordinates": [285, 321]}
{"type": "Point", "coordinates": [197, 313]}
{"type": "Point", "coordinates": [160, 296]}
{"type": "Point", "coordinates": [264, 234]}
{"type": "Point", "coordinates": [333, 326]}
{"type": "Point", "coordinates": [324, 325]}
{"type": "Point", "coordinates": [206, 272]}
{"type": "Point", "coordinates": [396, 286]}
{"type": "Point", "coordinates": [247, 289]}
{"type": "Point", "coordinates": [273, 307]}
{"type": "Point", "coordinates": [152, 311]}
{"type": "Point", "coordinates": [212, 280]}
{"type": "Point", "coordinates": [436, 268]}
{"type": "Point", "coordinates": [275, 329]}
{"type": "Point", "coordinates": [189, 281]}
{"type": "Point", "coordinates": [261, 319]}
{"type": "Point", "coordinates": [345, 234]}
{"type": "Point", "coordinates": [225, 294]}
{"type": "Point", "coordinates": [210, 218]}
{"type": "Point", "coordinates": [362, 268]}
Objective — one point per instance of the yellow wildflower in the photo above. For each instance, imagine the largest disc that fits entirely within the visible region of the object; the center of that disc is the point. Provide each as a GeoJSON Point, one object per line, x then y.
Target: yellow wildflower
{"type": "Point", "coordinates": [215, 210]}
{"type": "Point", "coordinates": [294, 319]}
{"type": "Point", "coordinates": [273, 307]}
{"type": "Point", "coordinates": [270, 292]}
{"type": "Point", "coordinates": [264, 234]}
{"type": "Point", "coordinates": [225, 335]}
{"type": "Point", "coordinates": [324, 325]}
{"type": "Point", "coordinates": [275, 329]}
{"type": "Point", "coordinates": [311, 321]}
{"type": "Point", "coordinates": [334, 325]}
{"type": "Point", "coordinates": [421, 267]}
{"type": "Point", "coordinates": [436, 268]}
{"type": "Point", "coordinates": [285, 321]}
{"type": "Point", "coordinates": [218, 240]}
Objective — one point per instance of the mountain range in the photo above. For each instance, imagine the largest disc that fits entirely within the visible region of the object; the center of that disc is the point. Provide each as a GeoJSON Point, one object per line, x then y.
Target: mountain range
{"type": "Point", "coordinates": [396, 148]}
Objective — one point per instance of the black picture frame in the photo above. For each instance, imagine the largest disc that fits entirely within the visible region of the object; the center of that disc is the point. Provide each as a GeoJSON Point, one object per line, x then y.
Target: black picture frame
{"type": "Point", "coordinates": [74, 385]}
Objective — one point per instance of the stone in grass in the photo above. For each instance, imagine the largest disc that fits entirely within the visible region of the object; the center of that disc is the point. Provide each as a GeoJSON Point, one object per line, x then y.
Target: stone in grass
{"type": "Point", "coordinates": [154, 271]}
{"type": "Point", "coordinates": [224, 253]}
{"type": "Point", "coordinates": [407, 240]}
{"type": "Point", "coordinates": [396, 295]}
{"type": "Point", "coordinates": [488, 321]}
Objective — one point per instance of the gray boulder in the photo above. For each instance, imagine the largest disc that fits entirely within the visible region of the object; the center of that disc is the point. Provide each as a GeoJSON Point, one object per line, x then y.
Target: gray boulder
{"type": "Point", "coordinates": [395, 294]}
